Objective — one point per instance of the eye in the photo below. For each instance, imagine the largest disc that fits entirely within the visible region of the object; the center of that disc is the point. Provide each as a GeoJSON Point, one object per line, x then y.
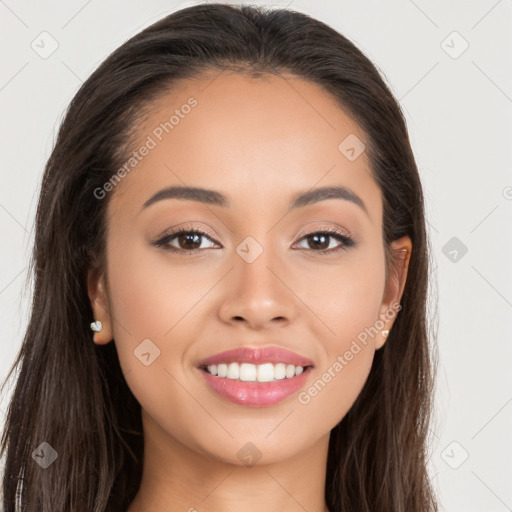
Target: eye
{"type": "Point", "coordinates": [321, 238]}
{"type": "Point", "coordinates": [188, 239]}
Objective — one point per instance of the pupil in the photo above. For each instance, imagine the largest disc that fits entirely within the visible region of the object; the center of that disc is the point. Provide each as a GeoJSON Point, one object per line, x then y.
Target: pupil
{"type": "Point", "coordinates": [323, 245]}
{"type": "Point", "coordinates": [188, 236]}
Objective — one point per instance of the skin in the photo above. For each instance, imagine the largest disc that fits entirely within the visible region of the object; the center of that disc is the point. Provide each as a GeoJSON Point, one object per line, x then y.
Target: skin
{"type": "Point", "coordinates": [259, 141]}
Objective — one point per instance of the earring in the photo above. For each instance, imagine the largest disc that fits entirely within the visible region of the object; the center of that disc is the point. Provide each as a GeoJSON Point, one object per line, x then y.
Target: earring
{"type": "Point", "coordinates": [385, 332]}
{"type": "Point", "coordinates": [96, 326]}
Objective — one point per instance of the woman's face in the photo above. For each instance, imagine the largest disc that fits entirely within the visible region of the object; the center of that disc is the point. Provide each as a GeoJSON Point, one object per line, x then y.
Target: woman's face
{"type": "Point", "coordinates": [255, 277]}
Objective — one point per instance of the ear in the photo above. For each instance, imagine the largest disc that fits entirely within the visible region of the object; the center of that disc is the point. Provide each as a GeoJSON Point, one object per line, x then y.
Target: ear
{"type": "Point", "coordinates": [98, 296]}
{"type": "Point", "coordinates": [394, 288]}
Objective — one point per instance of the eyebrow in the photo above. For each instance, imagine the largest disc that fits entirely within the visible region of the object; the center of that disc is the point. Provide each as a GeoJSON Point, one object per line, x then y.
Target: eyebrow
{"type": "Point", "coordinates": [299, 200]}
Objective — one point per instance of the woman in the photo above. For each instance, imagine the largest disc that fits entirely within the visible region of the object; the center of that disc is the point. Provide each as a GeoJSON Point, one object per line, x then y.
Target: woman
{"type": "Point", "coordinates": [285, 364]}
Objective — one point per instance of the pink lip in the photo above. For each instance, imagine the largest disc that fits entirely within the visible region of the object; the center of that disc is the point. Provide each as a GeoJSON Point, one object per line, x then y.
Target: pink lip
{"type": "Point", "coordinates": [257, 356]}
{"type": "Point", "coordinates": [256, 394]}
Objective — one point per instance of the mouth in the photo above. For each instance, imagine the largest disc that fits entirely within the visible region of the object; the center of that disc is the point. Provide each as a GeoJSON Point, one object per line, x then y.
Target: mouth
{"type": "Point", "coordinates": [257, 356]}
{"type": "Point", "coordinates": [256, 376]}
{"type": "Point", "coordinates": [266, 385]}
{"type": "Point", "coordinates": [248, 372]}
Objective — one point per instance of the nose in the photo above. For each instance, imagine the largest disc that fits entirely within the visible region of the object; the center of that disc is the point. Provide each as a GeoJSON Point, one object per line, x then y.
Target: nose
{"type": "Point", "coordinates": [257, 294]}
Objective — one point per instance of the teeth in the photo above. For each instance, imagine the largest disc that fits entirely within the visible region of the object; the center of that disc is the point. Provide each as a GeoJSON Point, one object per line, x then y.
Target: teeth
{"type": "Point", "coordinates": [250, 372]}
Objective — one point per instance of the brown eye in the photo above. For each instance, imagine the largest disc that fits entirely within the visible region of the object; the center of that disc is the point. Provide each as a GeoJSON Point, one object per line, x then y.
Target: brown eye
{"type": "Point", "coordinates": [319, 241]}
{"type": "Point", "coordinates": [186, 240]}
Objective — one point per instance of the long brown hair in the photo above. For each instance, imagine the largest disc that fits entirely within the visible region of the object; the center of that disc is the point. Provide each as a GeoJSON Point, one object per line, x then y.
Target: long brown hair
{"type": "Point", "coordinates": [71, 393]}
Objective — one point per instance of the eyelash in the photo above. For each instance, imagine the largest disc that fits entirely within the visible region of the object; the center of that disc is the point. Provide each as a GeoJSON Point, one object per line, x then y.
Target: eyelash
{"type": "Point", "coordinates": [347, 242]}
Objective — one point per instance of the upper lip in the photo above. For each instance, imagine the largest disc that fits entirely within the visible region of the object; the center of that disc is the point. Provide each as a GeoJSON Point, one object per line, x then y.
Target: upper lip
{"type": "Point", "coordinates": [257, 355]}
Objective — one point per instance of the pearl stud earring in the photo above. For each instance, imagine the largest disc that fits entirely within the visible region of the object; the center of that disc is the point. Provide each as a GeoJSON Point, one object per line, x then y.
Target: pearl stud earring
{"type": "Point", "coordinates": [385, 332]}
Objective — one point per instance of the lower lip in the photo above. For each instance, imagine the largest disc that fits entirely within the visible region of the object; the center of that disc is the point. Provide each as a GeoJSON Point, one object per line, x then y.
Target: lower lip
{"type": "Point", "coordinates": [256, 394]}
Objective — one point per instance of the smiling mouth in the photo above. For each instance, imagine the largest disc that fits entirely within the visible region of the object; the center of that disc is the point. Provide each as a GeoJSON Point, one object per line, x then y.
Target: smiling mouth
{"type": "Point", "coordinates": [247, 372]}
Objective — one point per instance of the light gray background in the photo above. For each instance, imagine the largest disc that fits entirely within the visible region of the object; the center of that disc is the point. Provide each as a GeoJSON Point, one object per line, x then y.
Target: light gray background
{"type": "Point", "coordinates": [459, 115]}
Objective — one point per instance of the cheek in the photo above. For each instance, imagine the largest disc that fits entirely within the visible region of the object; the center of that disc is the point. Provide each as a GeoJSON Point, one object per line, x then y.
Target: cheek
{"type": "Point", "coordinates": [346, 300]}
{"type": "Point", "coordinates": [150, 296]}
{"type": "Point", "coordinates": [337, 384]}
{"type": "Point", "coordinates": [348, 305]}
{"type": "Point", "coordinates": [153, 307]}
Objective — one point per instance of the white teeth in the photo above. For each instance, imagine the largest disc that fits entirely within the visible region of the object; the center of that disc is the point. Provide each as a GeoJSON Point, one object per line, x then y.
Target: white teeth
{"type": "Point", "coordinates": [247, 372]}
{"type": "Point", "coordinates": [233, 371]}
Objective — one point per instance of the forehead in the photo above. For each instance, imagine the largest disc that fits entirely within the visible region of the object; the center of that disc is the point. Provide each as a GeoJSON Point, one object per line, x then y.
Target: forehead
{"type": "Point", "coordinates": [258, 140]}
